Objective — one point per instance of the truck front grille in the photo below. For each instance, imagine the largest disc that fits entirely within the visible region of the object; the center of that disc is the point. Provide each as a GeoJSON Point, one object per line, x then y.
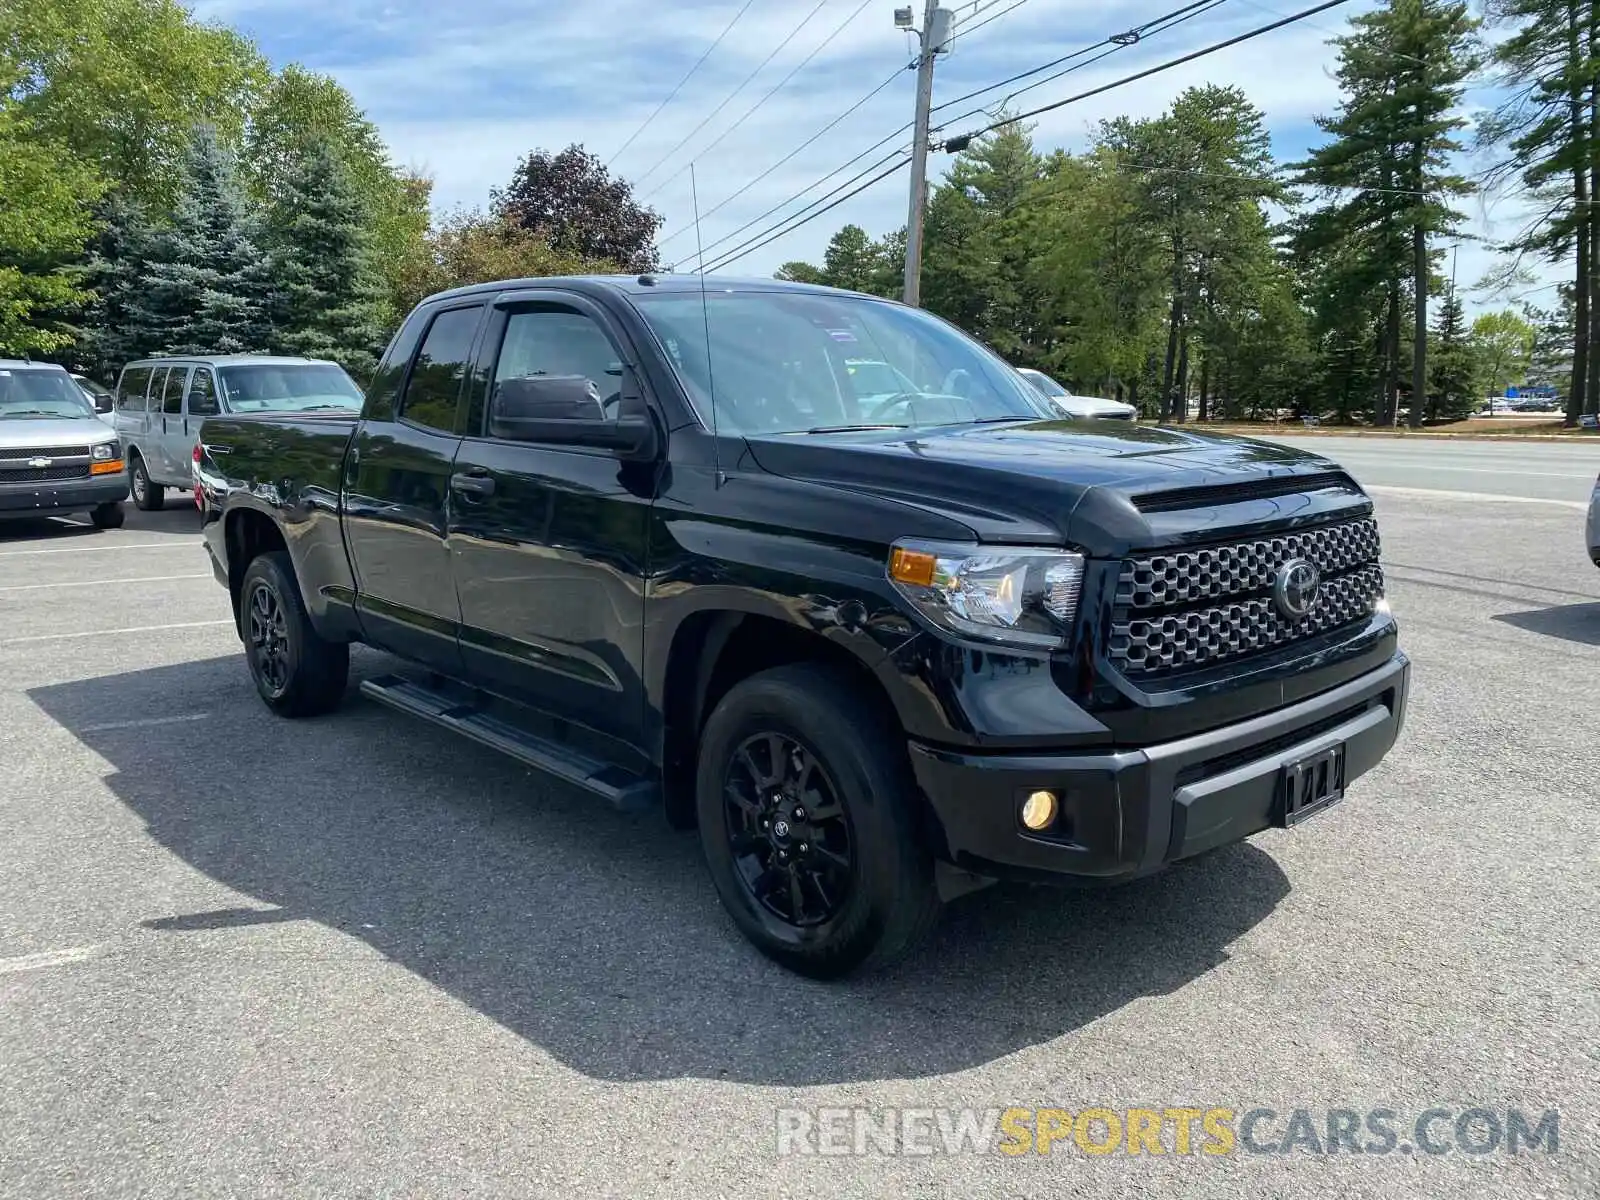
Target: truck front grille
{"type": "Point", "coordinates": [1196, 607]}
{"type": "Point", "coordinates": [19, 457]}
{"type": "Point", "coordinates": [44, 474]}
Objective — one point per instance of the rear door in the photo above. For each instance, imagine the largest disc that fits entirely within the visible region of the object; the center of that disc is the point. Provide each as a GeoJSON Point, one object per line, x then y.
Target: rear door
{"type": "Point", "coordinates": [171, 427]}
{"type": "Point", "coordinates": [397, 488]}
{"type": "Point", "coordinates": [548, 541]}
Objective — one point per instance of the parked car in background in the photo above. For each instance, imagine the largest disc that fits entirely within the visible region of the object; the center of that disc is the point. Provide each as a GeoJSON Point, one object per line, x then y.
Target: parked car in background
{"type": "Point", "coordinates": [56, 455]}
{"type": "Point", "coordinates": [1078, 406]}
{"type": "Point", "coordinates": [102, 397]}
{"type": "Point", "coordinates": [160, 403]}
{"type": "Point", "coordinates": [1593, 530]}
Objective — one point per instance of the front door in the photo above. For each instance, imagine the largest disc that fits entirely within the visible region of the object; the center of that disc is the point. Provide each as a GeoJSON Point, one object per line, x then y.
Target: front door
{"type": "Point", "coordinates": [397, 495]}
{"type": "Point", "coordinates": [550, 558]}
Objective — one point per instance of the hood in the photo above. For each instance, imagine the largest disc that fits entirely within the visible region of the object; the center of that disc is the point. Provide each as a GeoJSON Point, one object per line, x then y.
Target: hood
{"type": "Point", "coordinates": [37, 433]}
{"type": "Point", "coordinates": [1105, 487]}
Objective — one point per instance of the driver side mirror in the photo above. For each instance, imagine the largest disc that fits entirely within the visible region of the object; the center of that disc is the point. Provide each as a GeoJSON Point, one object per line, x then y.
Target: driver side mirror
{"type": "Point", "coordinates": [567, 410]}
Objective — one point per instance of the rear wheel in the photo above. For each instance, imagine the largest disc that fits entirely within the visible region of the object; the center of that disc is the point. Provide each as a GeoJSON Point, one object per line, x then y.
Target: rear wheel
{"type": "Point", "coordinates": [108, 516]}
{"type": "Point", "coordinates": [297, 672]}
{"type": "Point", "coordinates": [807, 817]}
{"type": "Point", "coordinates": [149, 496]}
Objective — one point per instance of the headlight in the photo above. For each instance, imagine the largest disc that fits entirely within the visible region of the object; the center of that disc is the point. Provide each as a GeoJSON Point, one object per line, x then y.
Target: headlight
{"type": "Point", "coordinates": [1014, 594]}
{"type": "Point", "coordinates": [105, 450]}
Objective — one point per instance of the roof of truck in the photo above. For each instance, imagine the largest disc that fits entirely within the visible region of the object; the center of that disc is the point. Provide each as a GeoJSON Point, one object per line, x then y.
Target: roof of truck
{"type": "Point", "coordinates": [649, 281]}
{"type": "Point", "coordinates": [20, 364]}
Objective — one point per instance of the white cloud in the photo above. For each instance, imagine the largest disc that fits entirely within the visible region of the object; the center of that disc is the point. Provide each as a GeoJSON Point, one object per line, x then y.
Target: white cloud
{"type": "Point", "coordinates": [467, 91]}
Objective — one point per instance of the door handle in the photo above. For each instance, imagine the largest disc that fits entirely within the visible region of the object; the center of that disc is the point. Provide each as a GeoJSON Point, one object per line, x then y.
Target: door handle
{"type": "Point", "coordinates": [472, 485]}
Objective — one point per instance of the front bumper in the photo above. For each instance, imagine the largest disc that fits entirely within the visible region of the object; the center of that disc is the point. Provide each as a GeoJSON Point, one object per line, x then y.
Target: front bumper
{"type": "Point", "coordinates": [1126, 813]}
{"type": "Point", "coordinates": [69, 495]}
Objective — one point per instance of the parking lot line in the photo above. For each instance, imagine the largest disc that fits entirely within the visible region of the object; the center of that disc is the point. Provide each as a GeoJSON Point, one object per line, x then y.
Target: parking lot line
{"type": "Point", "coordinates": [47, 958]}
{"type": "Point", "coordinates": [30, 587]}
{"type": "Point", "coordinates": [143, 723]}
{"type": "Point", "coordinates": [186, 544]}
{"type": "Point", "coordinates": [1477, 497]}
{"type": "Point", "coordinates": [94, 633]}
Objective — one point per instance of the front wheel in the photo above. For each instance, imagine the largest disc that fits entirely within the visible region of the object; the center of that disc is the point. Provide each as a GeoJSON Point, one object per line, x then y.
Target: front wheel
{"type": "Point", "coordinates": [297, 672]}
{"type": "Point", "coordinates": [108, 516]}
{"type": "Point", "coordinates": [808, 820]}
{"type": "Point", "coordinates": [147, 495]}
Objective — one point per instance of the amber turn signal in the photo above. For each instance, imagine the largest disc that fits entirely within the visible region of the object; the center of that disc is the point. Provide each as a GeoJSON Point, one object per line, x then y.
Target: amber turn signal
{"type": "Point", "coordinates": [1039, 810]}
{"type": "Point", "coordinates": [912, 566]}
{"type": "Point", "coordinates": [113, 467]}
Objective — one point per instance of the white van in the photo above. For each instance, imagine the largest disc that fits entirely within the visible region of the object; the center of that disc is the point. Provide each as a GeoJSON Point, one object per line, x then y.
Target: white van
{"type": "Point", "coordinates": [162, 401]}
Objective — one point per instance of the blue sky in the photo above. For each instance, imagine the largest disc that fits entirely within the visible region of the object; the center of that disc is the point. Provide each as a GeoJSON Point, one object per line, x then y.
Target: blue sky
{"type": "Point", "coordinates": [462, 91]}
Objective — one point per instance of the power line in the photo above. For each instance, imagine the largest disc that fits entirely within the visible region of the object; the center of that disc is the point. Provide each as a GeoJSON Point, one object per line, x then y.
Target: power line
{"type": "Point", "coordinates": [727, 29]}
{"type": "Point", "coordinates": [1117, 42]}
{"type": "Point", "coordinates": [961, 141]}
{"type": "Point", "coordinates": [782, 221]}
{"type": "Point", "coordinates": [793, 33]}
{"type": "Point", "coordinates": [716, 141]}
{"type": "Point", "coordinates": [738, 254]}
{"type": "Point", "coordinates": [966, 29]}
{"type": "Point", "coordinates": [787, 157]}
{"type": "Point", "coordinates": [1120, 40]}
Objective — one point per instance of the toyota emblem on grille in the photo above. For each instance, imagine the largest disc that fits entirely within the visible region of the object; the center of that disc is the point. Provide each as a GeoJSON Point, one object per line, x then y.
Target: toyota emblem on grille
{"type": "Point", "coordinates": [40, 463]}
{"type": "Point", "coordinates": [1295, 589]}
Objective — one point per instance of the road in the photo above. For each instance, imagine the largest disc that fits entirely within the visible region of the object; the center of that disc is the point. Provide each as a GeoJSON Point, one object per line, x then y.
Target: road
{"type": "Point", "coordinates": [1538, 470]}
{"type": "Point", "coordinates": [246, 957]}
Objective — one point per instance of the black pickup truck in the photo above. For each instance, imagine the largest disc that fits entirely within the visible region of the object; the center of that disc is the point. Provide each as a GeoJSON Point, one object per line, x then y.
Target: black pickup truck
{"type": "Point", "coordinates": [672, 541]}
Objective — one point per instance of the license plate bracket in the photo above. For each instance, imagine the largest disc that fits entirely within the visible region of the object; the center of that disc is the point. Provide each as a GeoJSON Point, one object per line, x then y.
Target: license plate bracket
{"type": "Point", "coordinates": [1310, 786]}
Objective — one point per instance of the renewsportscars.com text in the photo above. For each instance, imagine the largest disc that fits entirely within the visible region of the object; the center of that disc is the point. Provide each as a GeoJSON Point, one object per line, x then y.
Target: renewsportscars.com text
{"type": "Point", "coordinates": [1212, 1131]}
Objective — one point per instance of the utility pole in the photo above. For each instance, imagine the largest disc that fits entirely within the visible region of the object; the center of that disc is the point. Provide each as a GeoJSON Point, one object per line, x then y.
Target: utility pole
{"type": "Point", "coordinates": [934, 34]}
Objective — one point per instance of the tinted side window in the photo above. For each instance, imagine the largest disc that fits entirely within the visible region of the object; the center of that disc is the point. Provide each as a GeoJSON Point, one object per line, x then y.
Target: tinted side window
{"type": "Point", "coordinates": [172, 404]}
{"type": "Point", "coordinates": [433, 393]}
{"type": "Point", "coordinates": [131, 389]}
{"type": "Point", "coordinates": [203, 393]}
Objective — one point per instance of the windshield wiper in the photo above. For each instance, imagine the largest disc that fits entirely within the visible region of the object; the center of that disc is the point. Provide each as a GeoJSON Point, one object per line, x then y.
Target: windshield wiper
{"type": "Point", "coordinates": [30, 412]}
{"type": "Point", "coordinates": [329, 408]}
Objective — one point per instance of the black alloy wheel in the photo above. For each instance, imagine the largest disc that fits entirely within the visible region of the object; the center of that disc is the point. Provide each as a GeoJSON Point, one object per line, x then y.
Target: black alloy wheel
{"type": "Point", "coordinates": [268, 639]}
{"type": "Point", "coordinates": [788, 832]}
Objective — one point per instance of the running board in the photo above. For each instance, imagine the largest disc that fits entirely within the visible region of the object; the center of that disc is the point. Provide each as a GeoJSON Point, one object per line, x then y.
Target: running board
{"type": "Point", "coordinates": [615, 784]}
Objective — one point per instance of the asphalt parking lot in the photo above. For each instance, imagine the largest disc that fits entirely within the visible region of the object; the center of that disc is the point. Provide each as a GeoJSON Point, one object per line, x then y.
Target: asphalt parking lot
{"type": "Point", "coordinates": [355, 957]}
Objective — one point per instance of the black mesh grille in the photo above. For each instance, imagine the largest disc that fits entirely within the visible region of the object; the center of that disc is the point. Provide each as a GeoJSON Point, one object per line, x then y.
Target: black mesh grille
{"type": "Point", "coordinates": [44, 474]}
{"type": "Point", "coordinates": [8, 453]}
{"type": "Point", "coordinates": [1197, 607]}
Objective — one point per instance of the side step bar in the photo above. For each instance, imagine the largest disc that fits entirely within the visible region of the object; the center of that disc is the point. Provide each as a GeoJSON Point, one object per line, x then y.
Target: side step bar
{"type": "Point", "coordinates": [618, 786]}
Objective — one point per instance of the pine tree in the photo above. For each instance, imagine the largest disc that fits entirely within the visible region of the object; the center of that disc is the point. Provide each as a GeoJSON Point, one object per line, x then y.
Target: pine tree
{"type": "Point", "coordinates": [1550, 125]}
{"type": "Point", "coordinates": [331, 299]}
{"type": "Point", "coordinates": [113, 331]}
{"type": "Point", "coordinates": [207, 288]}
{"type": "Point", "coordinates": [1403, 69]}
{"type": "Point", "coordinates": [1453, 394]}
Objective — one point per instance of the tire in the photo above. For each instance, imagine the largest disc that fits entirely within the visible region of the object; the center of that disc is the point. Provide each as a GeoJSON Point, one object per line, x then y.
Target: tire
{"type": "Point", "coordinates": [149, 496]}
{"type": "Point", "coordinates": [297, 672]}
{"type": "Point", "coordinates": [888, 902]}
{"type": "Point", "coordinates": [108, 516]}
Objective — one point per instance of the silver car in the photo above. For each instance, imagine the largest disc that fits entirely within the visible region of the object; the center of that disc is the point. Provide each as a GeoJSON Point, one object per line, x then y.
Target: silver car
{"type": "Point", "coordinates": [1592, 532]}
{"type": "Point", "coordinates": [56, 455]}
{"type": "Point", "coordinates": [161, 403]}
{"type": "Point", "coordinates": [1077, 406]}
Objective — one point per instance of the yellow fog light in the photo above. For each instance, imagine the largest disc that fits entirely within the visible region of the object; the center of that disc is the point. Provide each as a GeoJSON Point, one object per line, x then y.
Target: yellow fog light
{"type": "Point", "coordinates": [1039, 810]}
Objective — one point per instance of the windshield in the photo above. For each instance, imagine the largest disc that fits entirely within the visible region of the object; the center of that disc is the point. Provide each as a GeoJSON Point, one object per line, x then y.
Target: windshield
{"type": "Point", "coordinates": [288, 387]}
{"type": "Point", "coordinates": [781, 363]}
{"type": "Point", "coordinates": [40, 392]}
